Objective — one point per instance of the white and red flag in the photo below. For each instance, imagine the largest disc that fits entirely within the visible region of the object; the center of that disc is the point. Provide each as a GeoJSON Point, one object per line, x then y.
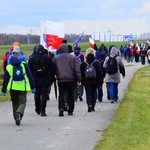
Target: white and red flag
{"type": "Point", "coordinates": [91, 42]}
{"type": "Point", "coordinates": [52, 34]}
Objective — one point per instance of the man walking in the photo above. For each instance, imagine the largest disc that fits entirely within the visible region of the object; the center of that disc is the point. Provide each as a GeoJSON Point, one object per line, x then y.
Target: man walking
{"type": "Point", "coordinates": [43, 71]}
{"type": "Point", "coordinates": [68, 75]}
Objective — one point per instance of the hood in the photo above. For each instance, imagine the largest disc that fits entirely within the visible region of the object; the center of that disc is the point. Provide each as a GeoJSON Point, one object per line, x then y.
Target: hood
{"type": "Point", "coordinates": [15, 61]}
{"type": "Point", "coordinates": [40, 49]}
{"type": "Point", "coordinates": [77, 48]}
{"type": "Point", "coordinates": [76, 52]}
{"type": "Point", "coordinates": [114, 52]}
{"type": "Point", "coordinates": [63, 48]}
{"type": "Point", "coordinates": [70, 49]}
{"type": "Point", "coordinates": [110, 47]}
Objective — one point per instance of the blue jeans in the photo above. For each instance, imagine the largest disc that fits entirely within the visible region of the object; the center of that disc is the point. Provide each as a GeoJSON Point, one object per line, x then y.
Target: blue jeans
{"type": "Point", "coordinates": [99, 93]}
{"type": "Point", "coordinates": [113, 90]}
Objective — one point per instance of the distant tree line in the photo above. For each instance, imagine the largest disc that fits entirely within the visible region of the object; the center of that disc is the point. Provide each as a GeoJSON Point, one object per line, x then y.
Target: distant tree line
{"type": "Point", "coordinates": [8, 39]}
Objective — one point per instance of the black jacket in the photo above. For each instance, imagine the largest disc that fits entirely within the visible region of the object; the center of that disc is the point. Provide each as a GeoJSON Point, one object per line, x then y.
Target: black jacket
{"type": "Point", "coordinates": [99, 73]}
{"type": "Point", "coordinates": [49, 76]}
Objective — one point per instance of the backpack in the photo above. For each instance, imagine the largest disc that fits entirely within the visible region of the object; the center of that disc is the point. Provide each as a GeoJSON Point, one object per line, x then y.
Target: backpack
{"type": "Point", "coordinates": [39, 66]}
{"type": "Point", "coordinates": [90, 71]}
{"type": "Point", "coordinates": [18, 74]}
{"type": "Point", "coordinates": [112, 65]}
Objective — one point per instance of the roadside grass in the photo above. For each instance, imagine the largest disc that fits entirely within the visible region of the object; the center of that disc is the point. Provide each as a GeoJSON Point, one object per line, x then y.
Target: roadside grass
{"type": "Point", "coordinates": [130, 126]}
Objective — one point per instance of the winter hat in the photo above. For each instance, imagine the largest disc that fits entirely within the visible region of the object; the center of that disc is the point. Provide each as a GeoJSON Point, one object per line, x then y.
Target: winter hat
{"type": "Point", "coordinates": [77, 48]}
{"type": "Point", "coordinates": [90, 51]}
{"type": "Point", "coordinates": [16, 44]}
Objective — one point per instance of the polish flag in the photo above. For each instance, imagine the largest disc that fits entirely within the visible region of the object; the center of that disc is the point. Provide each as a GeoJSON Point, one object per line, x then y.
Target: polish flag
{"type": "Point", "coordinates": [52, 34]}
{"type": "Point", "coordinates": [91, 42]}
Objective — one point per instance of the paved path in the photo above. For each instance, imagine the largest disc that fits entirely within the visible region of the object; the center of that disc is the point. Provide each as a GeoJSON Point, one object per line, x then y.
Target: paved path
{"type": "Point", "coordinates": [78, 132]}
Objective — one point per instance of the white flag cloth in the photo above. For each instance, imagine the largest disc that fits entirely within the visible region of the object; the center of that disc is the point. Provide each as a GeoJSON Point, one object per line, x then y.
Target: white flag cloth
{"type": "Point", "coordinates": [91, 42]}
{"type": "Point", "coordinates": [52, 34]}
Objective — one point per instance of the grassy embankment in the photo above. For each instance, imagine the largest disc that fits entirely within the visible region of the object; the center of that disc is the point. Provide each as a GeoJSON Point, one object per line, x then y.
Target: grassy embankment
{"type": "Point", "coordinates": [130, 126]}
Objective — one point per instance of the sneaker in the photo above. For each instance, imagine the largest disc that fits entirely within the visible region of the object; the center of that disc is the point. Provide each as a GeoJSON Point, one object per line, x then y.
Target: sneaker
{"type": "Point", "coordinates": [18, 119]}
{"type": "Point", "coordinates": [89, 108]}
{"type": "Point", "coordinates": [61, 113]}
{"type": "Point", "coordinates": [111, 101]}
{"type": "Point", "coordinates": [80, 98]}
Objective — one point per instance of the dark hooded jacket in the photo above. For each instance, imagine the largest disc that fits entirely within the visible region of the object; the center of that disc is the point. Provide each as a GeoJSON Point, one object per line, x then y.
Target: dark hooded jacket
{"type": "Point", "coordinates": [99, 73]}
{"type": "Point", "coordinates": [67, 66]}
{"type": "Point", "coordinates": [49, 76]}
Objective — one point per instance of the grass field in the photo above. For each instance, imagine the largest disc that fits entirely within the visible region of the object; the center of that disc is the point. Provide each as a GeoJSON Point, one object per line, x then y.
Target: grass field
{"type": "Point", "coordinates": [130, 127]}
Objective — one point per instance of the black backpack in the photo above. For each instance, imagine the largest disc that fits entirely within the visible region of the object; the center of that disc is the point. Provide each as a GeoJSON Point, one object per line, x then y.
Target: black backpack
{"type": "Point", "coordinates": [112, 65]}
{"type": "Point", "coordinates": [90, 71]}
{"type": "Point", "coordinates": [39, 66]}
{"type": "Point", "coordinates": [18, 74]}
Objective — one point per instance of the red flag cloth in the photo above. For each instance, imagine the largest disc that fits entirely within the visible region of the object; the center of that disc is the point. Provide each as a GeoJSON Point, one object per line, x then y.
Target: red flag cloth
{"type": "Point", "coordinates": [52, 34]}
{"type": "Point", "coordinates": [91, 42]}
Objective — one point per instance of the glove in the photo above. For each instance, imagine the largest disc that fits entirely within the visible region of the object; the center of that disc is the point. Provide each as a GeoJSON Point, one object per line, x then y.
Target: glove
{"type": "Point", "coordinates": [33, 90]}
{"type": "Point", "coordinates": [3, 94]}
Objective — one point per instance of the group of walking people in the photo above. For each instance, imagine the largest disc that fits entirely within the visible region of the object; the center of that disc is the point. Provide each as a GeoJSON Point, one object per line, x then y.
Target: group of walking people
{"type": "Point", "coordinates": [72, 71]}
{"type": "Point", "coordinates": [136, 52]}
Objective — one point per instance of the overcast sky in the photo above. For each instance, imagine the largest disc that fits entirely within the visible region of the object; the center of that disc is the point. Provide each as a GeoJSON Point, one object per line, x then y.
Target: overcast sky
{"type": "Point", "coordinates": [90, 16]}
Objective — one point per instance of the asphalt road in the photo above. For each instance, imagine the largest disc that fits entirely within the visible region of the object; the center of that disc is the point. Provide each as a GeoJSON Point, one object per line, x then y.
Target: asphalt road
{"type": "Point", "coordinates": [81, 131]}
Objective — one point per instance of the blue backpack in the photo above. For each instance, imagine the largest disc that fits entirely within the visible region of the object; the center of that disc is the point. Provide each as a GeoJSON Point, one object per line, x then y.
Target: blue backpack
{"type": "Point", "coordinates": [18, 74]}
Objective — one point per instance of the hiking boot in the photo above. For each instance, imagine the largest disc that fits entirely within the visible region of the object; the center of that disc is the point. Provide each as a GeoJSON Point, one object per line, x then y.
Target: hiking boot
{"type": "Point", "coordinates": [61, 113]}
{"type": "Point", "coordinates": [18, 118]}
{"type": "Point", "coordinates": [80, 98]}
{"type": "Point", "coordinates": [89, 108]}
{"type": "Point", "coordinates": [93, 109]}
{"type": "Point", "coordinates": [66, 108]}
{"type": "Point", "coordinates": [70, 114]}
{"type": "Point", "coordinates": [37, 111]}
{"type": "Point", "coordinates": [43, 114]}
